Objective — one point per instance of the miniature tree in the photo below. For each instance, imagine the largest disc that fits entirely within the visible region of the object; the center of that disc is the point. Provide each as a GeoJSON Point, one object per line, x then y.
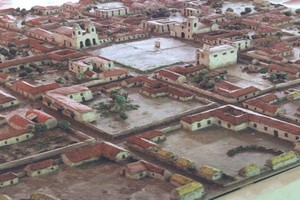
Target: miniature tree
{"type": "Point", "coordinates": [40, 128]}
{"type": "Point", "coordinates": [64, 125]}
{"type": "Point", "coordinates": [28, 69]}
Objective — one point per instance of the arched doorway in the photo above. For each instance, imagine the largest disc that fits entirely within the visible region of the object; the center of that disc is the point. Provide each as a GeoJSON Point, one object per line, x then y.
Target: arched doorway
{"type": "Point", "coordinates": [88, 42]}
{"type": "Point", "coordinates": [81, 44]}
{"type": "Point", "coordinates": [182, 35]}
{"type": "Point", "coordinates": [94, 41]}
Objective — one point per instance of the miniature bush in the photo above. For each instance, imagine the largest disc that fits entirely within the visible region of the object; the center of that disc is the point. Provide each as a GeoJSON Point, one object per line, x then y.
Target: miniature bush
{"type": "Point", "coordinates": [40, 128]}
{"type": "Point", "coordinates": [123, 116]}
{"type": "Point", "coordinates": [64, 125]}
{"type": "Point", "coordinates": [28, 69]}
{"type": "Point", "coordinates": [263, 70]}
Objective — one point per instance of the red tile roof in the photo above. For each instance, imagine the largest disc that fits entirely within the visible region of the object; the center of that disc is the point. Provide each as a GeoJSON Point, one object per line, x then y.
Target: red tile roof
{"type": "Point", "coordinates": [4, 97]}
{"type": "Point", "coordinates": [40, 165]}
{"type": "Point", "coordinates": [187, 70]}
{"type": "Point", "coordinates": [7, 177]}
{"type": "Point", "coordinates": [33, 89]}
{"type": "Point", "coordinates": [140, 142]}
{"type": "Point", "coordinates": [84, 153]}
{"type": "Point", "coordinates": [287, 69]}
{"type": "Point", "coordinates": [153, 168]}
{"type": "Point", "coordinates": [230, 90]}
{"type": "Point", "coordinates": [168, 74]}
{"type": "Point", "coordinates": [114, 72]}
{"type": "Point", "coordinates": [151, 134]}
{"type": "Point", "coordinates": [110, 151]}
{"type": "Point", "coordinates": [38, 115]}
{"type": "Point", "coordinates": [19, 121]}
{"type": "Point", "coordinates": [9, 132]}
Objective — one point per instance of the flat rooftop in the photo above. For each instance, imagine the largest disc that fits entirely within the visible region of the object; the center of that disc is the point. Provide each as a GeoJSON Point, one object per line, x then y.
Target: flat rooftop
{"type": "Point", "coordinates": [143, 55]}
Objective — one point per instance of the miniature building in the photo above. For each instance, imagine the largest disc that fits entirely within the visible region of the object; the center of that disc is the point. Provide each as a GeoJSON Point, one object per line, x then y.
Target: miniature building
{"type": "Point", "coordinates": [113, 75]}
{"type": "Point", "coordinates": [8, 179]}
{"type": "Point", "coordinates": [77, 37]}
{"type": "Point", "coordinates": [158, 26]}
{"type": "Point", "coordinates": [170, 76]}
{"type": "Point", "coordinates": [88, 63]}
{"type": "Point", "coordinates": [135, 170]}
{"type": "Point", "coordinates": [41, 168]}
{"type": "Point", "coordinates": [113, 152]}
{"type": "Point", "coordinates": [282, 160]}
{"type": "Point", "coordinates": [32, 92]}
{"type": "Point", "coordinates": [210, 173]}
{"type": "Point", "coordinates": [193, 190]}
{"type": "Point", "coordinates": [154, 136]}
{"type": "Point", "coordinates": [110, 12]}
{"type": "Point", "coordinates": [179, 180]}
{"type": "Point", "coordinates": [7, 100]}
{"type": "Point", "coordinates": [46, 10]}
{"type": "Point", "coordinates": [82, 155]}
{"type": "Point", "coordinates": [67, 100]}
{"type": "Point", "coordinates": [217, 56]}
{"type": "Point", "coordinates": [18, 122]}
{"type": "Point", "coordinates": [250, 170]}
{"type": "Point", "coordinates": [141, 144]}
{"type": "Point", "coordinates": [41, 117]}
{"type": "Point", "coordinates": [192, 26]}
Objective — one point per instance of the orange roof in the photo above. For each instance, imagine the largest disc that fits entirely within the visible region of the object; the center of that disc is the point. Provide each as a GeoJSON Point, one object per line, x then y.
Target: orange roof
{"type": "Point", "coordinates": [168, 74]}
{"type": "Point", "coordinates": [32, 89]}
{"type": "Point", "coordinates": [84, 153]}
{"type": "Point", "coordinates": [9, 132]}
{"type": "Point", "coordinates": [151, 134]}
{"type": "Point", "coordinates": [110, 151]}
{"type": "Point", "coordinates": [187, 70]}
{"type": "Point", "coordinates": [114, 72]}
{"type": "Point", "coordinates": [40, 165]}
{"type": "Point", "coordinates": [142, 143]}
{"type": "Point", "coordinates": [287, 69]}
{"type": "Point", "coordinates": [4, 97]}
{"type": "Point", "coordinates": [39, 116]}
{"type": "Point", "coordinates": [179, 92]}
{"type": "Point", "coordinates": [19, 121]}
{"type": "Point", "coordinates": [4, 76]}
{"type": "Point", "coordinates": [7, 177]}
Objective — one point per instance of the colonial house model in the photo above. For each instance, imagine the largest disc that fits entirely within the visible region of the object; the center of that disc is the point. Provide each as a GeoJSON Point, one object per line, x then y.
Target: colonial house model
{"type": "Point", "coordinates": [263, 104]}
{"type": "Point", "coordinates": [230, 92]}
{"type": "Point", "coordinates": [41, 117]}
{"type": "Point", "coordinates": [41, 168]}
{"type": "Point", "coordinates": [83, 64]}
{"type": "Point", "coordinates": [111, 12]}
{"type": "Point", "coordinates": [217, 56]}
{"type": "Point", "coordinates": [94, 152]}
{"type": "Point", "coordinates": [77, 37]}
{"type": "Point", "coordinates": [46, 10]}
{"type": "Point", "coordinates": [10, 135]}
{"type": "Point", "coordinates": [30, 91]}
{"type": "Point", "coordinates": [18, 122]}
{"type": "Point", "coordinates": [8, 179]}
{"type": "Point", "coordinates": [67, 100]}
{"type": "Point", "coordinates": [192, 26]}
{"type": "Point", "coordinates": [235, 118]}
{"type": "Point", "coordinates": [7, 100]}
{"type": "Point", "coordinates": [113, 75]}
{"type": "Point", "coordinates": [169, 76]}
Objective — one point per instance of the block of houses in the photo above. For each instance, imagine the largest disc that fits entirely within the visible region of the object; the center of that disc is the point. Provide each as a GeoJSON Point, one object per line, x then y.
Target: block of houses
{"type": "Point", "coordinates": [292, 72]}
{"type": "Point", "coordinates": [10, 135]}
{"type": "Point", "coordinates": [67, 100]}
{"type": "Point", "coordinates": [41, 117]}
{"type": "Point", "coordinates": [7, 100]}
{"type": "Point", "coordinates": [19, 122]}
{"type": "Point", "coordinates": [189, 70]}
{"type": "Point", "coordinates": [115, 86]}
{"type": "Point", "coordinates": [41, 168]}
{"type": "Point", "coordinates": [153, 135]}
{"type": "Point", "coordinates": [113, 75]}
{"type": "Point", "coordinates": [277, 49]}
{"type": "Point", "coordinates": [263, 104]}
{"type": "Point", "coordinates": [210, 173]}
{"type": "Point", "coordinates": [82, 155]}
{"type": "Point", "coordinates": [192, 26]}
{"type": "Point", "coordinates": [41, 34]}
{"type": "Point", "coordinates": [30, 91]}
{"type": "Point", "coordinates": [235, 118]}
{"type": "Point", "coordinates": [282, 160]}
{"type": "Point", "coordinates": [77, 37]}
{"type": "Point", "coordinates": [135, 170]}
{"type": "Point", "coordinates": [179, 180]}
{"type": "Point", "coordinates": [46, 10]}
{"type": "Point", "coordinates": [179, 94]}
{"type": "Point", "coordinates": [138, 81]}
{"type": "Point", "coordinates": [158, 26]}
{"type": "Point", "coordinates": [141, 144]}
{"type": "Point", "coordinates": [216, 56]}
{"type": "Point", "coordinates": [8, 21]}
{"type": "Point", "coordinates": [88, 63]}
{"type": "Point", "coordinates": [114, 152]}
{"type": "Point", "coordinates": [8, 179]}
{"type": "Point", "coordinates": [105, 13]}
{"type": "Point", "coordinates": [154, 92]}
{"type": "Point", "coordinates": [193, 190]}
{"type": "Point", "coordinates": [170, 76]}
{"type": "Point", "coordinates": [230, 92]}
